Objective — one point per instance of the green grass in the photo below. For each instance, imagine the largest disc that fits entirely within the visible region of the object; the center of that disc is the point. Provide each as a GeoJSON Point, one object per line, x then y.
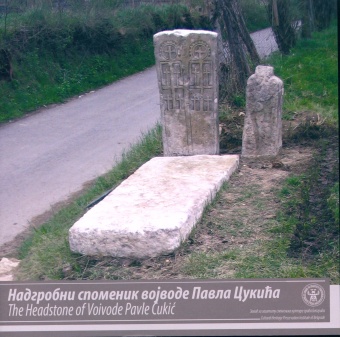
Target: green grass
{"type": "Point", "coordinates": [333, 202]}
{"type": "Point", "coordinates": [317, 252]}
{"type": "Point", "coordinates": [54, 82]}
{"type": "Point", "coordinates": [310, 75]}
{"type": "Point", "coordinates": [255, 15]}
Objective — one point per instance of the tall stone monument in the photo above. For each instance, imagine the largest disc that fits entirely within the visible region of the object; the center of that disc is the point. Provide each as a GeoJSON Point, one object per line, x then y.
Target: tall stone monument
{"type": "Point", "coordinates": [262, 132]}
{"type": "Point", "coordinates": [186, 62]}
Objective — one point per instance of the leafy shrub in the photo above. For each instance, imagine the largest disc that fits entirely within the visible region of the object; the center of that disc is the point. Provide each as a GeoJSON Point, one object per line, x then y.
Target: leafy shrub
{"type": "Point", "coordinates": [255, 15]}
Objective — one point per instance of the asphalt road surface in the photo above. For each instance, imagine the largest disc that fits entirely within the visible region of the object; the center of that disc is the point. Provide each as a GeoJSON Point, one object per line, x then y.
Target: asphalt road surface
{"type": "Point", "coordinates": [50, 155]}
{"type": "Point", "coordinates": [46, 157]}
{"type": "Point", "coordinates": [264, 42]}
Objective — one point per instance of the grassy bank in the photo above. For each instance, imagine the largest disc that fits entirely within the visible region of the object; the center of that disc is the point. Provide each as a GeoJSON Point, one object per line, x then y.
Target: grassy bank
{"type": "Point", "coordinates": [310, 75]}
{"type": "Point", "coordinates": [268, 221]}
{"type": "Point", "coordinates": [56, 55]}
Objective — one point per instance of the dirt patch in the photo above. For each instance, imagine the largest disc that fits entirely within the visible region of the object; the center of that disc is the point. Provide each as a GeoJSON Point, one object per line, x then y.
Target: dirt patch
{"type": "Point", "coordinates": [316, 228]}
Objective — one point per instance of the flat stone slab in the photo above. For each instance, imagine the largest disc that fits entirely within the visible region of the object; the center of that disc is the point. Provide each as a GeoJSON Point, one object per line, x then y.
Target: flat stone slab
{"type": "Point", "coordinates": [155, 209]}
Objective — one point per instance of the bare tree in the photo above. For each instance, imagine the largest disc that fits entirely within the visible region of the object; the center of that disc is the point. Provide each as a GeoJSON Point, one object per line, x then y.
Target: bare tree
{"type": "Point", "coordinates": [238, 54]}
{"type": "Point", "coordinates": [280, 16]}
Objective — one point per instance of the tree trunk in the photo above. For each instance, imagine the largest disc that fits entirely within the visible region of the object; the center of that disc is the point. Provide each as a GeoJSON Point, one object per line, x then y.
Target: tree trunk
{"type": "Point", "coordinates": [307, 18]}
{"type": "Point", "coordinates": [243, 32]}
{"type": "Point", "coordinates": [239, 52]}
{"type": "Point", "coordinates": [279, 15]}
{"type": "Point", "coordinates": [235, 43]}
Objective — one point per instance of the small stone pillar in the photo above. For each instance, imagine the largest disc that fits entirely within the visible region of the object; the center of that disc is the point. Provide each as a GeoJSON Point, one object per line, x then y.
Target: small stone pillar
{"type": "Point", "coordinates": [186, 62]}
{"type": "Point", "coordinates": [262, 132]}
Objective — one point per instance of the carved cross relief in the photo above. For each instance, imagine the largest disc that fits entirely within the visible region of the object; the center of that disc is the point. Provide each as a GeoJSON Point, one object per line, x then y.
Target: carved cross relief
{"type": "Point", "coordinates": [199, 92]}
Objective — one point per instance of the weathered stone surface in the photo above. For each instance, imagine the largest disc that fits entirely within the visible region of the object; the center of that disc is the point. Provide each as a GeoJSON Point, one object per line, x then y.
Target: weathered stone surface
{"type": "Point", "coordinates": [186, 62]}
{"type": "Point", "coordinates": [262, 133]}
{"type": "Point", "coordinates": [7, 267]}
{"type": "Point", "coordinates": [153, 210]}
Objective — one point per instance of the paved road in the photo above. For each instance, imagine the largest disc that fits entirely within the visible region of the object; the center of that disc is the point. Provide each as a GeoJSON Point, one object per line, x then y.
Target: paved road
{"type": "Point", "coordinates": [48, 156]}
{"type": "Point", "coordinates": [264, 41]}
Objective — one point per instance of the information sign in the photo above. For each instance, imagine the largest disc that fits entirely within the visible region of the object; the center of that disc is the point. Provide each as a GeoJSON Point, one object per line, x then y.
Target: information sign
{"type": "Point", "coordinates": [161, 308]}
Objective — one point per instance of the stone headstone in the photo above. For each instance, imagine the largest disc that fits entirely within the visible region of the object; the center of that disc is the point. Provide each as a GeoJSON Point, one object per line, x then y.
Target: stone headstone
{"type": "Point", "coordinates": [262, 132]}
{"type": "Point", "coordinates": [186, 62]}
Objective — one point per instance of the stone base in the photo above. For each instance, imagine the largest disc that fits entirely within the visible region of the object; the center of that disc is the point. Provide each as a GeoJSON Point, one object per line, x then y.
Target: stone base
{"type": "Point", "coordinates": [154, 210]}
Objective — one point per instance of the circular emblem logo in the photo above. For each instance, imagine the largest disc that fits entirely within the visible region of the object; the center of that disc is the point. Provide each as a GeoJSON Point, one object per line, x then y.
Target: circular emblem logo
{"type": "Point", "coordinates": [168, 51]}
{"type": "Point", "coordinates": [199, 50]}
{"type": "Point", "coordinates": [313, 294]}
